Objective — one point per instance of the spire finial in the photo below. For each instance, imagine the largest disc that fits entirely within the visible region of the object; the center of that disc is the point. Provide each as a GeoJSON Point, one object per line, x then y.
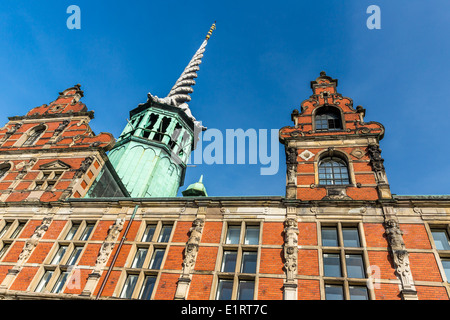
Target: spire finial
{"type": "Point", "coordinates": [213, 27]}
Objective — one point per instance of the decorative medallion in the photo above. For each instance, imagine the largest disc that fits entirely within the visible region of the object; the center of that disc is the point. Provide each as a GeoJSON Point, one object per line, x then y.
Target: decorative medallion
{"type": "Point", "coordinates": [306, 155]}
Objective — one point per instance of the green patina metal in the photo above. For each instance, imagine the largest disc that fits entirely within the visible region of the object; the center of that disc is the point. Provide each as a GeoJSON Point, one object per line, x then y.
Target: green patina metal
{"type": "Point", "coordinates": [196, 189]}
{"type": "Point", "coordinates": [150, 155]}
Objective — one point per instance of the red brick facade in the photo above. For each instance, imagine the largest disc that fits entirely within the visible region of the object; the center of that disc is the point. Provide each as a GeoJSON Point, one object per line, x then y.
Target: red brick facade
{"type": "Point", "coordinates": [118, 240]}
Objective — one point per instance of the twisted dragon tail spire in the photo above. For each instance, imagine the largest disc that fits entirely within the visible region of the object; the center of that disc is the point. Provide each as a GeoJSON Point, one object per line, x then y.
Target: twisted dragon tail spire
{"type": "Point", "coordinates": [179, 93]}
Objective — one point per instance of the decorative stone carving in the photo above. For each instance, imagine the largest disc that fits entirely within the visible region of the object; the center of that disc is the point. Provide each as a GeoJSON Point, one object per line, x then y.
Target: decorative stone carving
{"type": "Point", "coordinates": [192, 246]}
{"type": "Point", "coordinates": [31, 243]}
{"type": "Point", "coordinates": [399, 254]}
{"type": "Point", "coordinates": [290, 248]}
{"type": "Point", "coordinates": [84, 166]}
{"type": "Point", "coordinates": [336, 193]}
{"type": "Point", "coordinates": [108, 245]}
{"type": "Point", "coordinates": [291, 161]}
{"type": "Point", "coordinates": [306, 155]}
{"type": "Point", "coordinates": [190, 256]}
{"type": "Point", "coordinates": [377, 162]}
{"type": "Point", "coordinates": [357, 153]}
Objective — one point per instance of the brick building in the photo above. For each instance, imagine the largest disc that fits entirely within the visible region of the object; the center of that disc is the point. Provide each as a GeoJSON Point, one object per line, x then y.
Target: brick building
{"type": "Point", "coordinates": [80, 219]}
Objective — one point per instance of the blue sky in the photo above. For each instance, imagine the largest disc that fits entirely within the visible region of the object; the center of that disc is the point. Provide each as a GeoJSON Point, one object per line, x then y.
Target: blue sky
{"type": "Point", "coordinates": [256, 69]}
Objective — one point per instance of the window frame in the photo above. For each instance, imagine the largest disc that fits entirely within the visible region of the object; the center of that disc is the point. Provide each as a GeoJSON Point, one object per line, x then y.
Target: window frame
{"type": "Point", "coordinates": [328, 110]}
{"type": "Point", "coordinates": [241, 248]}
{"type": "Point", "coordinates": [342, 250]}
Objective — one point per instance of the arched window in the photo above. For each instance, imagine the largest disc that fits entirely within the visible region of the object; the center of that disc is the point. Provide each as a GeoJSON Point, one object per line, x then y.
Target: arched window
{"type": "Point", "coordinates": [328, 119]}
{"type": "Point", "coordinates": [4, 170]}
{"type": "Point", "coordinates": [333, 171]}
{"type": "Point", "coordinates": [34, 135]}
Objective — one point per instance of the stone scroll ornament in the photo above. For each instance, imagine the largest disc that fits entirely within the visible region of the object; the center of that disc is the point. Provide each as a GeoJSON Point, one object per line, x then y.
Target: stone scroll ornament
{"type": "Point", "coordinates": [399, 254]}
{"type": "Point", "coordinates": [108, 245]}
{"type": "Point", "coordinates": [192, 246]}
{"type": "Point", "coordinates": [290, 248]}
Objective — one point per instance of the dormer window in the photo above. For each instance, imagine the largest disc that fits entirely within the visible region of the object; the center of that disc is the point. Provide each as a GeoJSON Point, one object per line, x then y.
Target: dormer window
{"type": "Point", "coordinates": [328, 119]}
{"type": "Point", "coordinates": [333, 171]}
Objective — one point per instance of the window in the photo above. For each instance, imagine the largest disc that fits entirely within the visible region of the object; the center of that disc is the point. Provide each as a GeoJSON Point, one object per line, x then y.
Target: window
{"type": "Point", "coordinates": [229, 261]}
{"type": "Point", "coordinates": [334, 292]}
{"type": "Point", "coordinates": [44, 281]}
{"type": "Point", "coordinates": [139, 258]}
{"type": "Point", "coordinates": [128, 288]}
{"type": "Point", "coordinates": [225, 289]}
{"type": "Point", "coordinates": [249, 262]}
{"type": "Point", "coordinates": [60, 282]}
{"type": "Point", "coordinates": [233, 234]}
{"type": "Point", "coordinates": [332, 265]}
{"type": "Point", "coordinates": [34, 135]}
{"type": "Point", "coordinates": [251, 235]}
{"type": "Point", "coordinates": [237, 273]}
{"type": "Point", "coordinates": [343, 260]}
{"type": "Point", "coordinates": [333, 171]}
{"type": "Point", "coordinates": [87, 231]}
{"type": "Point", "coordinates": [143, 267]}
{"type": "Point", "coordinates": [442, 245]}
{"type": "Point", "coordinates": [4, 249]}
{"type": "Point", "coordinates": [5, 228]}
{"type": "Point", "coordinates": [17, 230]}
{"type": "Point", "coordinates": [157, 258]}
{"type": "Point", "coordinates": [148, 233]}
{"type": "Point", "coordinates": [59, 255]}
{"type": "Point", "coordinates": [12, 229]}
{"type": "Point", "coordinates": [328, 119]}
{"type": "Point", "coordinates": [164, 236]}
{"type": "Point", "coordinates": [147, 288]}
{"type": "Point", "coordinates": [246, 290]}
{"type": "Point", "coordinates": [72, 231]}
{"type": "Point", "coordinates": [47, 180]}
{"type": "Point", "coordinates": [4, 170]}
{"type": "Point", "coordinates": [441, 240]}
{"type": "Point", "coordinates": [358, 293]}
{"type": "Point", "coordinates": [74, 255]}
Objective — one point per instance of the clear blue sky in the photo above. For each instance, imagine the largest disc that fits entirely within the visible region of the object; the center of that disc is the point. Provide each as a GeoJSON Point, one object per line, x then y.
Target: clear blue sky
{"type": "Point", "coordinates": [255, 71]}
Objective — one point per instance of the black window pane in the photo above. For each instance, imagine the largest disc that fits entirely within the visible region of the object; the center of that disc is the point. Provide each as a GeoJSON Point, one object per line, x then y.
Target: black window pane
{"type": "Point", "coordinates": [224, 290]}
{"type": "Point", "coordinates": [329, 237]}
{"type": "Point", "coordinates": [246, 290]}
{"type": "Point", "coordinates": [229, 261]}
{"type": "Point", "coordinates": [333, 292]}
{"type": "Point", "coordinates": [128, 288]}
{"type": "Point", "coordinates": [148, 233]}
{"type": "Point", "coordinates": [440, 239]}
{"type": "Point", "coordinates": [358, 293]}
{"type": "Point", "coordinates": [147, 289]}
{"type": "Point", "coordinates": [333, 171]}
{"type": "Point", "coordinates": [351, 237]}
{"type": "Point", "coordinates": [139, 258]}
{"type": "Point", "coordinates": [355, 266]}
{"type": "Point", "coordinates": [251, 235]}
{"type": "Point", "coordinates": [446, 265]}
{"type": "Point", "coordinates": [87, 232]}
{"type": "Point", "coordinates": [164, 236]}
{"type": "Point", "coordinates": [249, 262]}
{"type": "Point", "coordinates": [332, 265]}
{"type": "Point", "coordinates": [157, 258]}
{"type": "Point", "coordinates": [233, 234]}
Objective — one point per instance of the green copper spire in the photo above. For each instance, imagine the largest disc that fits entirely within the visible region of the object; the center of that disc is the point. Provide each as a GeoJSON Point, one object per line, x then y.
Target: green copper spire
{"type": "Point", "coordinates": [151, 154]}
{"type": "Point", "coordinates": [196, 189]}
